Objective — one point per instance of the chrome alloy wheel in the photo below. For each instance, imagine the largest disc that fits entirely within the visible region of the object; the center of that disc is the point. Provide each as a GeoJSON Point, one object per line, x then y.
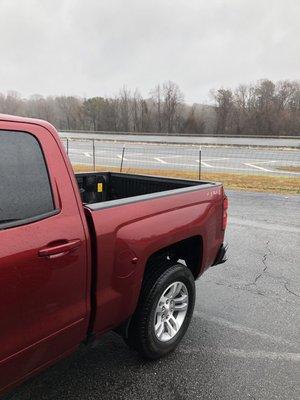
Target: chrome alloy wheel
{"type": "Point", "coordinates": [171, 311]}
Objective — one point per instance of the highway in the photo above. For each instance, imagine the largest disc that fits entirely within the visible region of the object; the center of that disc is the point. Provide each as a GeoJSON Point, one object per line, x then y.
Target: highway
{"type": "Point", "coordinates": [272, 161]}
{"type": "Point", "coordinates": [198, 140]}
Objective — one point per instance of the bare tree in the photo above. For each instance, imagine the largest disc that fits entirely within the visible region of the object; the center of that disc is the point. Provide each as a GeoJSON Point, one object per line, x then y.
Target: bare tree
{"type": "Point", "coordinates": [156, 97]}
{"type": "Point", "coordinates": [71, 112]}
{"type": "Point", "coordinates": [264, 107]}
{"type": "Point", "coordinates": [194, 123]}
{"type": "Point", "coordinates": [124, 109]}
{"type": "Point", "coordinates": [224, 100]}
{"type": "Point", "coordinates": [136, 105]}
{"type": "Point", "coordinates": [93, 111]}
{"type": "Point", "coordinates": [11, 103]}
{"type": "Point", "coordinates": [173, 98]}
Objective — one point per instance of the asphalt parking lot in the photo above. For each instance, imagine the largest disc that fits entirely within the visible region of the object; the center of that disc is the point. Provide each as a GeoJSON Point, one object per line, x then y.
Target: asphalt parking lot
{"type": "Point", "coordinates": [243, 342]}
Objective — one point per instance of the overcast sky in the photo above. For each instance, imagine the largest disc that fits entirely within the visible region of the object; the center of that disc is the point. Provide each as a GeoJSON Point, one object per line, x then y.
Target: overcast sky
{"type": "Point", "coordinates": [93, 47]}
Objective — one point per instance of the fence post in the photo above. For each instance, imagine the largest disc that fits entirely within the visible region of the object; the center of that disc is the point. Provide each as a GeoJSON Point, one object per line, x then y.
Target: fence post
{"type": "Point", "coordinates": [199, 170]}
{"type": "Point", "coordinates": [94, 156]}
{"type": "Point", "coordinates": [123, 151]}
{"type": "Point", "coordinates": [67, 146]}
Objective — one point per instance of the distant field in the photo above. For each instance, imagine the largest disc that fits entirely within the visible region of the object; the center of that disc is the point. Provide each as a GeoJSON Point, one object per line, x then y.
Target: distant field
{"type": "Point", "coordinates": [258, 183]}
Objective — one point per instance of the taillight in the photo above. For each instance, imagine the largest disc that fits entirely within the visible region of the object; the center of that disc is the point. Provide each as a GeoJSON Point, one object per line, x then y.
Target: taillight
{"type": "Point", "coordinates": [225, 208]}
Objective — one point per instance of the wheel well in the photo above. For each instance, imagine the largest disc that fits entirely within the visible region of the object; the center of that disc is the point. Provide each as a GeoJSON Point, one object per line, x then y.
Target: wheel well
{"type": "Point", "coordinates": [189, 250]}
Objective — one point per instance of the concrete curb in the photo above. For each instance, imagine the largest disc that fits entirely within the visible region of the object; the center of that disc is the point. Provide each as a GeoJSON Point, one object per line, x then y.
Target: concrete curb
{"type": "Point", "coordinates": [181, 135]}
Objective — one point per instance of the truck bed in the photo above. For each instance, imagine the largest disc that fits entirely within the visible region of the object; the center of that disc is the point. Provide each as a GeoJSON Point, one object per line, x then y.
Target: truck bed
{"type": "Point", "coordinates": [132, 217]}
{"type": "Point", "coordinates": [100, 187]}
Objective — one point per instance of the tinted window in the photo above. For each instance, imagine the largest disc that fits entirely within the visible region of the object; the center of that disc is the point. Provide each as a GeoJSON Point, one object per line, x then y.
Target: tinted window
{"type": "Point", "coordinates": [25, 190]}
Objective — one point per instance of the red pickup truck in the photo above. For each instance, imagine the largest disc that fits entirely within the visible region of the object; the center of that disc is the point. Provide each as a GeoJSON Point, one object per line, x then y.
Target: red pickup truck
{"type": "Point", "coordinates": [87, 253]}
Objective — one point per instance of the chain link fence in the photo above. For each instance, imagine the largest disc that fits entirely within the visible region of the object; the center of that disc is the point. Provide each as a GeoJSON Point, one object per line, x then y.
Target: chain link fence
{"type": "Point", "coordinates": [275, 169]}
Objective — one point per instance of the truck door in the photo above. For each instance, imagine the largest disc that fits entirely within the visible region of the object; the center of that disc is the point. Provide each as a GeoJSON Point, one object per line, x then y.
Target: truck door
{"type": "Point", "coordinates": [43, 253]}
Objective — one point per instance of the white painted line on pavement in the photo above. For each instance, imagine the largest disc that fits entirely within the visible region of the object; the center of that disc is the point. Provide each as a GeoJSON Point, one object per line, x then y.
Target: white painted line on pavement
{"type": "Point", "coordinates": [256, 166]}
{"type": "Point", "coordinates": [185, 165]}
{"type": "Point", "coordinates": [276, 171]}
{"type": "Point", "coordinates": [263, 225]}
{"type": "Point", "coordinates": [173, 155]}
{"type": "Point", "coordinates": [160, 160]}
{"type": "Point", "coordinates": [120, 156]}
{"type": "Point", "coordinates": [155, 163]}
{"type": "Point", "coordinates": [206, 165]}
{"type": "Point", "coordinates": [134, 154]}
{"type": "Point", "coordinates": [217, 158]}
{"type": "Point", "coordinates": [266, 162]}
{"type": "Point", "coordinates": [274, 356]}
{"type": "Point", "coordinates": [242, 328]}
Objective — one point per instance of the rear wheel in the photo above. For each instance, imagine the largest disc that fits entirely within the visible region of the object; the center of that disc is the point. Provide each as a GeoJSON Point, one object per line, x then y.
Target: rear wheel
{"type": "Point", "coordinates": [164, 311]}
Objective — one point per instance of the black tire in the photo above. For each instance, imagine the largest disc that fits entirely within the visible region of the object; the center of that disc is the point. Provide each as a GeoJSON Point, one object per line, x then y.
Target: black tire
{"type": "Point", "coordinates": [140, 333]}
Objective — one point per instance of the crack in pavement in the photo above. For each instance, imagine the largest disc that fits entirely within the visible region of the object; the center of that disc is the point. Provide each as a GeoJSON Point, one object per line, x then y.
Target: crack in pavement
{"type": "Point", "coordinates": [252, 288]}
{"type": "Point", "coordinates": [265, 271]}
{"type": "Point", "coordinates": [240, 287]}
{"type": "Point", "coordinates": [289, 290]}
{"type": "Point", "coordinates": [265, 267]}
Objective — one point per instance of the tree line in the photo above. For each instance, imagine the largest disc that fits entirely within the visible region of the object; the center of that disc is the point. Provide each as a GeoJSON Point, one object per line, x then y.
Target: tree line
{"type": "Point", "coordinates": [263, 108]}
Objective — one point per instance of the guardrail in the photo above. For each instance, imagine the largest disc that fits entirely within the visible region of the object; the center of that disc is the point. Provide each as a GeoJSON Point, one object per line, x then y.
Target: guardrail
{"type": "Point", "coordinates": [187, 140]}
{"type": "Point", "coordinates": [253, 136]}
